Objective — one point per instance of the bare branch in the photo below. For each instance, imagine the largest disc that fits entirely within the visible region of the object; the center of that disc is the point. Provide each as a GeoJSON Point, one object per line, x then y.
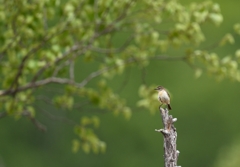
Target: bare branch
{"type": "Point", "coordinates": [71, 70]}
{"type": "Point", "coordinates": [125, 81]}
{"type": "Point", "coordinates": [61, 66]}
{"type": "Point", "coordinates": [39, 125]}
{"type": "Point", "coordinates": [48, 81]}
{"type": "Point", "coordinates": [170, 139]}
{"type": "Point", "coordinates": [117, 50]}
{"type": "Point", "coordinates": [58, 118]}
{"type": "Point", "coordinates": [93, 75]}
{"type": "Point", "coordinates": [3, 114]}
{"type": "Point", "coordinates": [54, 80]}
{"type": "Point", "coordinates": [45, 19]}
{"type": "Point", "coordinates": [81, 105]}
{"type": "Point", "coordinates": [45, 99]}
{"type": "Point", "coordinates": [170, 58]}
{"type": "Point", "coordinates": [27, 114]}
{"type": "Point", "coordinates": [1, 56]}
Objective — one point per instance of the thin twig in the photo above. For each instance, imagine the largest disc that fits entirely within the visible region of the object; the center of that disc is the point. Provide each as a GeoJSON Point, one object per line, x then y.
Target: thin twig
{"type": "Point", "coordinates": [71, 70]}
{"type": "Point", "coordinates": [91, 76]}
{"type": "Point", "coordinates": [80, 105]}
{"type": "Point", "coordinates": [169, 58]}
{"type": "Point", "coordinates": [116, 50]}
{"type": "Point", "coordinates": [45, 19]}
{"type": "Point", "coordinates": [45, 99]}
{"type": "Point", "coordinates": [61, 66]}
{"type": "Point", "coordinates": [3, 114]}
{"type": "Point", "coordinates": [143, 75]}
{"type": "Point", "coordinates": [212, 46]}
{"type": "Point", "coordinates": [125, 81]}
{"type": "Point", "coordinates": [58, 118]}
{"type": "Point", "coordinates": [1, 56]}
{"type": "Point", "coordinates": [38, 124]}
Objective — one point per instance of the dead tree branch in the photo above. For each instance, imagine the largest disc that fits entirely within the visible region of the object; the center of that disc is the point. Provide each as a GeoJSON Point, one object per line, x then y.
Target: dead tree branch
{"type": "Point", "coordinates": [170, 139]}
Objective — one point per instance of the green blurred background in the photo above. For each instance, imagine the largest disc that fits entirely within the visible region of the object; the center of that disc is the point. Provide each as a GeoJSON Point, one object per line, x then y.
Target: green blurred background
{"type": "Point", "coordinates": [207, 111]}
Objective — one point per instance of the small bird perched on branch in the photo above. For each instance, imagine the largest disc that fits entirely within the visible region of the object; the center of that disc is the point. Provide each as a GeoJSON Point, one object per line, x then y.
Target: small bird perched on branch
{"type": "Point", "coordinates": [163, 96]}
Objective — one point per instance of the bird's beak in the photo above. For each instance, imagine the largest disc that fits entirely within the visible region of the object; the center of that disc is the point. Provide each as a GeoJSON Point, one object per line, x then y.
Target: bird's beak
{"type": "Point", "coordinates": [156, 89]}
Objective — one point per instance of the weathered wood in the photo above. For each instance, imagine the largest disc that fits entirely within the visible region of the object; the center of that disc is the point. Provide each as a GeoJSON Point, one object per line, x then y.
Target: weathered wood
{"type": "Point", "coordinates": [170, 139]}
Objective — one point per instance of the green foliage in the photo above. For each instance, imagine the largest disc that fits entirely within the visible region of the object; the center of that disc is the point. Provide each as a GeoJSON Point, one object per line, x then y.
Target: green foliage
{"type": "Point", "coordinates": [105, 98]}
{"type": "Point", "coordinates": [149, 98]}
{"type": "Point", "coordinates": [226, 67]}
{"type": "Point", "coordinates": [64, 102]}
{"type": "Point", "coordinates": [237, 28]}
{"type": "Point", "coordinates": [228, 38]}
{"type": "Point", "coordinates": [42, 42]}
{"type": "Point", "coordinates": [87, 139]}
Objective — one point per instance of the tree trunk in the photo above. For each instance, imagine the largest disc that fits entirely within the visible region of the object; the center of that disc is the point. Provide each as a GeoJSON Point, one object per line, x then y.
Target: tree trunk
{"type": "Point", "coordinates": [170, 139]}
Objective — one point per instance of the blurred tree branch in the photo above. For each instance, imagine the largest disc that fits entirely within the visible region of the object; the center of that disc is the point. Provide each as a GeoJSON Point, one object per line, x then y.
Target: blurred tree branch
{"type": "Point", "coordinates": [3, 114]}
{"type": "Point", "coordinates": [38, 124]}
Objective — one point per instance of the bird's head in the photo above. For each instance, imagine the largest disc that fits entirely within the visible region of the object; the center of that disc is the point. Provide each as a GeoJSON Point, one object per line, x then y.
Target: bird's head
{"type": "Point", "coordinates": [159, 88]}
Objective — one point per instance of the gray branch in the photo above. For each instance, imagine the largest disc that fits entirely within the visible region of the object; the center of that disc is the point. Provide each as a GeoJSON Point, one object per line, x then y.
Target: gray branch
{"type": "Point", "coordinates": [170, 139]}
{"type": "Point", "coordinates": [71, 70]}
{"type": "Point", "coordinates": [38, 124]}
{"type": "Point", "coordinates": [54, 80]}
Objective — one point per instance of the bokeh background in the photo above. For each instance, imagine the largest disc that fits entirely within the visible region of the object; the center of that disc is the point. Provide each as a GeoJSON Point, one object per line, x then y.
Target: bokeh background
{"type": "Point", "coordinates": [207, 111]}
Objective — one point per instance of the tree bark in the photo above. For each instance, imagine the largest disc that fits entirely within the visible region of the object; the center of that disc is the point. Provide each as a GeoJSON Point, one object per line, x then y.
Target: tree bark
{"type": "Point", "coordinates": [170, 139]}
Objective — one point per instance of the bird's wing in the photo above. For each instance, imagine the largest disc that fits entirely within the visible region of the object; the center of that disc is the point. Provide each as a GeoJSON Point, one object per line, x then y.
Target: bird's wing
{"type": "Point", "coordinates": [168, 94]}
{"type": "Point", "coordinates": [159, 98]}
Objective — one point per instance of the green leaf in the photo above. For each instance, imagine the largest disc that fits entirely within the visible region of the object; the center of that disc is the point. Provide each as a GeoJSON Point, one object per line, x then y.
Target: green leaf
{"type": "Point", "coordinates": [86, 147]}
{"type": "Point", "coordinates": [69, 8]}
{"type": "Point", "coordinates": [237, 28]}
{"type": "Point", "coordinates": [216, 18]}
{"type": "Point", "coordinates": [32, 64]}
{"type": "Point", "coordinates": [75, 145]}
{"type": "Point", "coordinates": [228, 38]}
{"type": "Point", "coordinates": [226, 60]}
{"type": "Point", "coordinates": [64, 101]}
{"type": "Point", "coordinates": [102, 146]}
{"type": "Point", "coordinates": [31, 111]}
{"type": "Point", "coordinates": [56, 48]}
{"type": "Point", "coordinates": [85, 121]}
{"type": "Point", "coordinates": [95, 121]}
{"type": "Point", "coordinates": [216, 8]}
{"type": "Point", "coordinates": [127, 113]}
{"type": "Point", "coordinates": [198, 73]}
{"type": "Point", "coordinates": [237, 54]}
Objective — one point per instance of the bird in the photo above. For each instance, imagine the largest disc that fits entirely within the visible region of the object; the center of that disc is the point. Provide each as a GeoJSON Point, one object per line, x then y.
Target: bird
{"type": "Point", "coordinates": [163, 96]}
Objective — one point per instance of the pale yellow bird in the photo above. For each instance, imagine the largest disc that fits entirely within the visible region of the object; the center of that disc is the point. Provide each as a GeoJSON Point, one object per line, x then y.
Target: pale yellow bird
{"type": "Point", "coordinates": [163, 96]}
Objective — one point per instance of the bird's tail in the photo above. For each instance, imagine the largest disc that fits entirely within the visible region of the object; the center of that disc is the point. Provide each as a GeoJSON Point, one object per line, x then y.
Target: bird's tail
{"type": "Point", "coordinates": [169, 107]}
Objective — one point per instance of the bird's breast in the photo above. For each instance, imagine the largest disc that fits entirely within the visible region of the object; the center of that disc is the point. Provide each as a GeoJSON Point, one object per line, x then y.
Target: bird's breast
{"type": "Point", "coordinates": [163, 96]}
